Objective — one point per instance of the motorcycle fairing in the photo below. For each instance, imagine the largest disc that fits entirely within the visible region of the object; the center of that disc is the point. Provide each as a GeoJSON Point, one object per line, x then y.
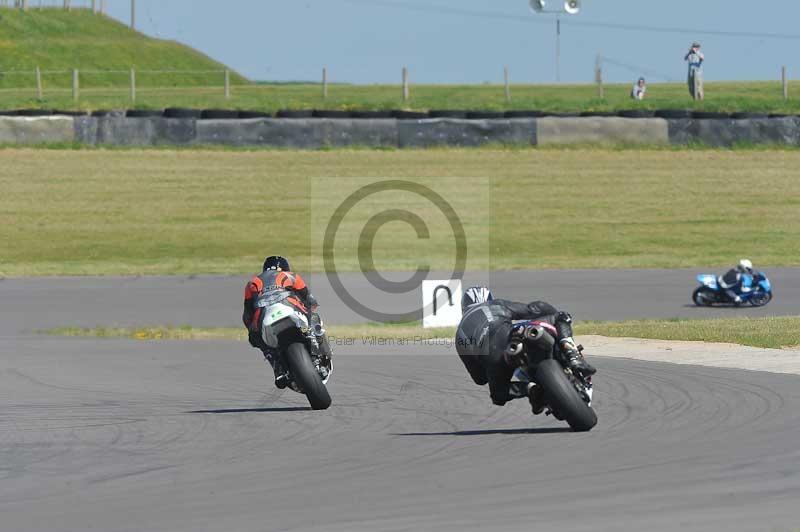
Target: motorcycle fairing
{"type": "Point", "coordinates": [709, 280]}
{"type": "Point", "coordinates": [278, 318]}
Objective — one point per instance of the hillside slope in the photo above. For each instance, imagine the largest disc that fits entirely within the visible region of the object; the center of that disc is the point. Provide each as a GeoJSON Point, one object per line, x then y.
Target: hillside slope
{"type": "Point", "coordinates": [57, 41]}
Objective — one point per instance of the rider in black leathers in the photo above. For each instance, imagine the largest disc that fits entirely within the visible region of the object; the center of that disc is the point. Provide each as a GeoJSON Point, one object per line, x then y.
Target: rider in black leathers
{"type": "Point", "coordinates": [484, 333]}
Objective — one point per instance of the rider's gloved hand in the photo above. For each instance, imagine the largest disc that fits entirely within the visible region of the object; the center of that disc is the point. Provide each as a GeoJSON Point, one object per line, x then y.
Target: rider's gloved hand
{"type": "Point", "coordinates": [568, 346]}
{"type": "Point", "coordinates": [254, 338]}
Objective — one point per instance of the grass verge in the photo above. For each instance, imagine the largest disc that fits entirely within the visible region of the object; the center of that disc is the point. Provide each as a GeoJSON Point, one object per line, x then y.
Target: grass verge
{"type": "Point", "coordinates": [102, 48]}
{"type": "Point", "coordinates": [134, 212]}
{"type": "Point", "coordinates": [339, 334]}
{"type": "Point", "coordinates": [205, 91]}
{"type": "Point", "coordinates": [769, 332]}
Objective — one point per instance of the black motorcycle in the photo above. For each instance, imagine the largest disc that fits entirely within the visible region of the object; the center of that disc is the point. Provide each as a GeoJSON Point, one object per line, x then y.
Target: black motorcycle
{"type": "Point", "coordinates": [567, 394]}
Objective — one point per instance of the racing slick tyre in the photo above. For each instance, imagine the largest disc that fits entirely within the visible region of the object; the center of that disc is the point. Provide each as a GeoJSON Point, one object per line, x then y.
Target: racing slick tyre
{"type": "Point", "coordinates": [674, 113]}
{"type": "Point", "coordinates": [524, 114]}
{"type": "Point", "coordinates": [485, 115]}
{"type": "Point", "coordinates": [177, 112]}
{"type": "Point", "coordinates": [749, 116]}
{"type": "Point", "coordinates": [306, 375]}
{"type": "Point", "coordinates": [703, 297]}
{"type": "Point", "coordinates": [219, 114]}
{"type": "Point", "coordinates": [636, 113]}
{"type": "Point", "coordinates": [761, 299]}
{"type": "Point", "coordinates": [563, 398]}
{"type": "Point", "coordinates": [144, 113]}
{"type": "Point", "coordinates": [246, 115]}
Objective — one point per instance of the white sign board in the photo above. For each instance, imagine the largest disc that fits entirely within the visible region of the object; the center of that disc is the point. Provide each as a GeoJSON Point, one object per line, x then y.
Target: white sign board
{"type": "Point", "coordinates": [441, 303]}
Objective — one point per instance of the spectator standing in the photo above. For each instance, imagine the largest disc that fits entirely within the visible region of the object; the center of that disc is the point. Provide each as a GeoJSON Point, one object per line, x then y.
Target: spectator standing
{"type": "Point", "coordinates": [639, 89]}
{"type": "Point", "coordinates": [695, 59]}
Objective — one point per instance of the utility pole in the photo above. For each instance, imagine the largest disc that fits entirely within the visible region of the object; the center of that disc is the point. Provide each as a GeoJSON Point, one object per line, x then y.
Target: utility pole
{"type": "Point", "coordinates": [558, 49]}
{"type": "Point", "coordinates": [598, 76]}
{"type": "Point", "coordinates": [133, 14]}
{"type": "Point", "coordinates": [570, 7]}
{"type": "Point", "coordinates": [785, 83]}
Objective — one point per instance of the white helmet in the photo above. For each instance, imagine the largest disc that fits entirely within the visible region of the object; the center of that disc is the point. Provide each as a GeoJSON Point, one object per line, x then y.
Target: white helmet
{"type": "Point", "coordinates": [474, 296]}
{"type": "Point", "coordinates": [745, 266]}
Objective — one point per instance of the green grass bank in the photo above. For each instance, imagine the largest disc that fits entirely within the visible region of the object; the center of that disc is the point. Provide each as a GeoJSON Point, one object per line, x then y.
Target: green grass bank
{"type": "Point", "coordinates": [130, 212]}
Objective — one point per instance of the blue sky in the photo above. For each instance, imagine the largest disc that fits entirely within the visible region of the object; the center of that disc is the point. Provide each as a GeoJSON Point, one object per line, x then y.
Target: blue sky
{"type": "Point", "coordinates": [469, 41]}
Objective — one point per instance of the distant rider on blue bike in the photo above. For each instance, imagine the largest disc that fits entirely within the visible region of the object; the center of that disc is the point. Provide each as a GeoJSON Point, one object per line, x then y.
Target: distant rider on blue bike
{"type": "Point", "coordinates": [737, 280]}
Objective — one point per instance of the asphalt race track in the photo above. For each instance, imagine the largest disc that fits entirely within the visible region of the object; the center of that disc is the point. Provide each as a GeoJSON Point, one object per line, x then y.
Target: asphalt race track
{"type": "Point", "coordinates": [118, 435]}
{"type": "Point", "coordinates": [217, 301]}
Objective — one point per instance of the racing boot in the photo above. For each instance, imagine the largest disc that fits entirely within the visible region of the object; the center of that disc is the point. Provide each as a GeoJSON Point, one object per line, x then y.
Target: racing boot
{"type": "Point", "coordinates": [322, 338]}
{"type": "Point", "coordinates": [281, 373]}
{"type": "Point", "coordinates": [574, 358]}
{"type": "Point", "coordinates": [323, 343]}
{"type": "Point", "coordinates": [536, 398]}
{"type": "Point", "coordinates": [281, 377]}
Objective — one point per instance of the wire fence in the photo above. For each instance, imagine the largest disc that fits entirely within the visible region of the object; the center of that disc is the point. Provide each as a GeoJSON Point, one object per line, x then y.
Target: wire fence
{"type": "Point", "coordinates": [41, 83]}
{"type": "Point", "coordinates": [221, 88]}
{"type": "Point", "coordinates": [95, 5]}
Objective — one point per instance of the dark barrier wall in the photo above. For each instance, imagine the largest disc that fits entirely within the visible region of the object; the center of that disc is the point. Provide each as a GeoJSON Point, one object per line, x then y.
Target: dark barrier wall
{"type": "Point", "coordinates": [727, 132]}
{"type": "Point", "coordinates": [310, 133]}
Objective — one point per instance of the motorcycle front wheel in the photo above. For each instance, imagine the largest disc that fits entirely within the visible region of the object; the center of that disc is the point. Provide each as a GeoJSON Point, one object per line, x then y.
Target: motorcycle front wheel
{"type": "Point", "coordinates": [761, 299]}
{"type": "Point", "coordinates": [306, 376]}
{"type": "Point", "coordinates": [563, 398]}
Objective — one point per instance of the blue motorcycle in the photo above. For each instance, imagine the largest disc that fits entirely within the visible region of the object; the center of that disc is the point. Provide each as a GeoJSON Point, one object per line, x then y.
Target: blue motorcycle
{"type": "Point", "coordinates": [756, 290]}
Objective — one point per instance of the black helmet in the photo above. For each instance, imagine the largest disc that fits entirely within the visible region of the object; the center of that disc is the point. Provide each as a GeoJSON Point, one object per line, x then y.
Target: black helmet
{"type": "Point", "coordinates": [276, 263]}
{"type": "Point", "coordinates": [474, 296]}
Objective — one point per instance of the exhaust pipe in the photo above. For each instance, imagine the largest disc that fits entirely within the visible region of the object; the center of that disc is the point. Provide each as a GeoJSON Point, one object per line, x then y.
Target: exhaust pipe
{"type": "Point", "coordinates": [540, 338]}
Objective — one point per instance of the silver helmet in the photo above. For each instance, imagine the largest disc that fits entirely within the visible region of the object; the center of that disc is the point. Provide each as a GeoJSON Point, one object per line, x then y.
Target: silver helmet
{"type": "Point", "coordinates": [474, 296]}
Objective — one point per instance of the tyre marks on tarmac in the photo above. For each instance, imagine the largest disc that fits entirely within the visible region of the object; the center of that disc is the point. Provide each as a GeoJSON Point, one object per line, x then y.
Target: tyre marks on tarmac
{"type": "Point", "coordinates": [121, 435]}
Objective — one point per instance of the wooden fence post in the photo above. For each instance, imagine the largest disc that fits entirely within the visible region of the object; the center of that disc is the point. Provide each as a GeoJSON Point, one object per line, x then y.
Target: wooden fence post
{"type": "Point", "coordinates": [133, 85]}
{"type": "Point", "coordinates": [785, 82]}
{"type": "Point", "coordinates": [39, 92]}
{"type": "Point", "coordinates": [508, 88]}
{"type": "Point", "coordinates": [405, 84]}
{"type": "Point", "coordinates": [324, 83]}
{"type": "Point", "coordinates": [76, 88]}
{"type": "Point", "coordinates": [598, 76]}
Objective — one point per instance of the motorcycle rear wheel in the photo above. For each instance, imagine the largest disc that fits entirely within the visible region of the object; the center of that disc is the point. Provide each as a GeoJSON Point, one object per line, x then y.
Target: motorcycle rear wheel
{"type": "Point", "coordinates": [563, 398]}
{"type": "Point", "coordinates": [703, 297]}
{"type": "Point", "coordinates": [306, 375]}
